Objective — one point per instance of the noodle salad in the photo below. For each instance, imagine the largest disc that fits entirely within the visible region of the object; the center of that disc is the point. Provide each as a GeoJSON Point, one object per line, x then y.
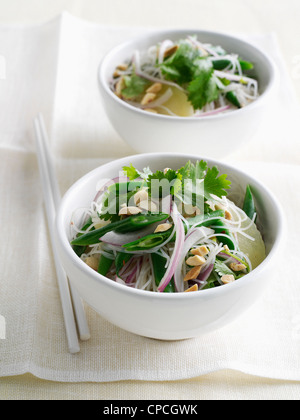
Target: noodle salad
{"type": "Point", "coordinates": [185, 78]}
{"type": "Point", "coordinates": [170, 231]}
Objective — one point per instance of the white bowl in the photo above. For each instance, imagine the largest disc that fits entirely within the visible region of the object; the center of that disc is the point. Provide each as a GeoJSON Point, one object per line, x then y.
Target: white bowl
{"type": "Point", "coordinates": [212, 136]}
{"type": "Point", "coordinates": [163, 315]}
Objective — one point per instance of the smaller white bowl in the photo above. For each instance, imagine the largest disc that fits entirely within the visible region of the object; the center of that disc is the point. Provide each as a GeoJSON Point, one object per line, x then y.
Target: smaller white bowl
{"type": "Point", "coordinates": [212, 136]}
{"type": "Point", "coordinates": [167, 316]}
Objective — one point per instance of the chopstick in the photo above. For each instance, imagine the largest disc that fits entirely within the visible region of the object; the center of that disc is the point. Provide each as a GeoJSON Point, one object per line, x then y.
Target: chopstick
{"type": "Point", "coordinates": [72, 305]}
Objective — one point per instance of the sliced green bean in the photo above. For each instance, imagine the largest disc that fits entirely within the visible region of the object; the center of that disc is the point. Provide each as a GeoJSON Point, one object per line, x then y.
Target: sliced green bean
{"type": "Point", "coordinates": [130, 224]}
{"type": "Point", "coordinates": [105, 264]}
{"type": "Point", "coordinates": [232, 98]}
{"type": "Point", "coordinates": [121, 259]}
{"type": "Point", "coordinates": [79, 249]}
{"type": "Point", "coordinates": [148, 242]}
{"type": "Point", "coordinates": [206, 219]}
{"type": "Point", "coordinates": [159, 269]}
{"type": "Point", "coordinates": [249, 203]}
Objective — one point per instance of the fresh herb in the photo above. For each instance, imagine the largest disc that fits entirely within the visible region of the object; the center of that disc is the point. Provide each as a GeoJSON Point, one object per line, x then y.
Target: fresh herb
{"type": "Point", "coordinates": [135, 86]}
{"type": "Point", "coordinates": [203, 88]}
{"type": "Point", "coordinates": [180, 66]}
{"type": "Point", "coordinates": [222, 269]}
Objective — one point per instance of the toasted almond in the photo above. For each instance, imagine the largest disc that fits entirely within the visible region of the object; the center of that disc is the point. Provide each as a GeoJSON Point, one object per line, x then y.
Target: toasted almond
{"type": "Point", "coordinates": [147, 205]}
{"type": "Point", "coordinates": [170, 51]}
{"type": "Point", "coordinates": [122, 67]}
{"type": "Point", "coordinates": [190, 210]}
{"type": "Point", "coordinates": [195, 261]}
{"type": "Point", "coordinates": [120, 86]}
{"type": "Point", "coordinates": [129, 211]}
{"type": "Point", "coordinates": [148, 98]}
{"type": "Point", "coordinates": [228, 215]}
{"type": "Point", "coordinates": [193, 273]}
{"type": "Point", "coordinates": [201, 251]}
{"type": "Point", "coordinates": [163, 227]}
{"type": "Point", "coordinates": [141, 195]}
{"type": "Point", "coordinates": [220, 206]}
{"type": "Point", "coordinates": [155, 88]}
{"type": "Point", "coordinates": [116, 74]}
{"type": "Point", "coordinates": [227, 278]}
{"type": "Point", "coordinates": [92, 262]}
{"type": "Point", "coordinates": [237, 266]}
{"type": "Point", "coordinates": [193, 288]}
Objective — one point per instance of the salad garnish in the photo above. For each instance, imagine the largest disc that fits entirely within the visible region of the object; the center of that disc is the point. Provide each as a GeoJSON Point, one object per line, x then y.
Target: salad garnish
{"type": "Point", "coordinates": [171, 231]}
{"type": "Point", "coordinates": [185, 78]}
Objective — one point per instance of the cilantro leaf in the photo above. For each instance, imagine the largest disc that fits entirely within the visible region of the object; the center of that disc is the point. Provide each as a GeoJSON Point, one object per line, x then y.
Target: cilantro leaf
{"type": "Point", "coordinates": [135, 86]}
{"type": "Point", "coordinates": [131, 172]}
{"type": "Point", "coordinates": [203, 88]}
{"type": "Point", "coordinates": [180, 66]}
{"type": "Point", "coordinates": [161, 183]}
{"type": "Point", "coordinates": [214, 184]}
{"type": "Point", "coordinates": [222, 269]}
{"type": "Point", "coordinates": [198, 170]}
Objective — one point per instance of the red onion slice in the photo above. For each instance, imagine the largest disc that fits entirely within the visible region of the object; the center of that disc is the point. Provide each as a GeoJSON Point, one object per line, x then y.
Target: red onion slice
{"type": "Point", "coordinates": [177, 249]}
{"type": "Point", "coordinates": [191, 239]}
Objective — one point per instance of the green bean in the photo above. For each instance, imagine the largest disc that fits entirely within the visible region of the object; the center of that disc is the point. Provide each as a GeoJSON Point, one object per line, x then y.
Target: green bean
{"type": "Point", "coordinates": [249, 204]}
{"type": "Point", "coordinates": [232, 98]}
{"type": "Point", "coordinates": [121, 259]}
{"type": "Point", "coordinates": [105, 264]}
{"type": "Point", "coordinates": [222, 64]}
{"type": "Point", "coordinates": [220, 229]}
{"type": "Point", "coordinates": [206, 219]}
{"type": "Point", "coordinates": [159, 263]}
{"type": "Point", "coordinates": [130, 224]}
{"type": "Point", "coordinates": [148, 242]}
{"type": "Point", "coordinates": [79, 250]}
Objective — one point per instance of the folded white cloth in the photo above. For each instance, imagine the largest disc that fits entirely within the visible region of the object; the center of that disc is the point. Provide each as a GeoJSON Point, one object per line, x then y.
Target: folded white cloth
{"type": "Point", "coordinates": [52, 68]}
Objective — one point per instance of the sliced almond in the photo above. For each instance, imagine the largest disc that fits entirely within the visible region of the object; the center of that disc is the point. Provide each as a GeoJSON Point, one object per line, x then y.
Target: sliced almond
{"type": "Point", "coordinates": [201, 251]}
{"type": "Point", "coordinates": [228, 215]}
{"type": "Point", "coordinates": [141, 195]}
{"type": "Point", "coordinates": [227, 278]}
{"type": "Point", "coordinates": [116, 74]}
{"type": "Point", "coordinates": [170, 51]}
{"type": "Point", "coordinates": [193, 273]}
{"type": "Point", "coordinates": [155, 88]}
{"type": "Point", "coordinates": [122, 67]}
{"type": "Point", "coordinates": [195, 261]}
{"type": "Point", "coordinates": [120, 86]}
{"type": "Point", "coordinates": [129, 211]}
{"type": "Point", "coordinates": [193, 288]}
{"type": "Point", "coordinates": [147, 205]}
{"type": "Point", "coordinates": [148, 98]}
{"type": "Point", "coordinates": [163, 227]}
{"type": "Point", "coordinates": [190, 210]}
{"type": "Point", "coordinates": [237, 266]}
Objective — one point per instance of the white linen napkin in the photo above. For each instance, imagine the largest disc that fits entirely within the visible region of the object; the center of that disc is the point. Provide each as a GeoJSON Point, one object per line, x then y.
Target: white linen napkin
{"type": "Point", "coordinates": [52, 68]}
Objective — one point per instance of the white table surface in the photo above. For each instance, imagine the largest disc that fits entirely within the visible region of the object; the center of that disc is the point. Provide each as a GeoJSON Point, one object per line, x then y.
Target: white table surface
{"type": "Point", "coordinates": [247, 16]}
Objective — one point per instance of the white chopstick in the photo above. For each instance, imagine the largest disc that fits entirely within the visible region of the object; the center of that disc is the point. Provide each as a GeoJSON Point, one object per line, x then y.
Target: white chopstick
{"type": "Point", "coordinates": [78, 307]}
{"type": "Point", "coordinates": [72, 311]}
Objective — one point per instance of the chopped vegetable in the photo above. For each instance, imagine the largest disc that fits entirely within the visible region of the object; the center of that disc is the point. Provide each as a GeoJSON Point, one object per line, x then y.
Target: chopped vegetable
{"type": "Point", "coordinates": [185, 78]}
{"type": "Point", "coordinates": [193, 238]}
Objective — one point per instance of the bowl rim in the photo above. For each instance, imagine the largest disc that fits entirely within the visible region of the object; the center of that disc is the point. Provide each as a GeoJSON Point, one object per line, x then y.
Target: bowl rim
{"type": "Point", "coordinates": [273, 73]}
{"type": "Point", "coordinates": [98, 278]}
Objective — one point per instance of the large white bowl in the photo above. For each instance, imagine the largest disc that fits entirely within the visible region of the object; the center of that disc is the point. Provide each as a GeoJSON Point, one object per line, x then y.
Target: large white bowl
{"type": "Point", "coordinates": [162, 315]}
{"type": "Point", "coordinates": [213, 136]}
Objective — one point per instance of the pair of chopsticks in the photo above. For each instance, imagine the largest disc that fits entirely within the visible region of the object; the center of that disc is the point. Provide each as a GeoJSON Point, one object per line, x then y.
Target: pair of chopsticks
{"type": "Point", "coordinates": [72, 305]}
